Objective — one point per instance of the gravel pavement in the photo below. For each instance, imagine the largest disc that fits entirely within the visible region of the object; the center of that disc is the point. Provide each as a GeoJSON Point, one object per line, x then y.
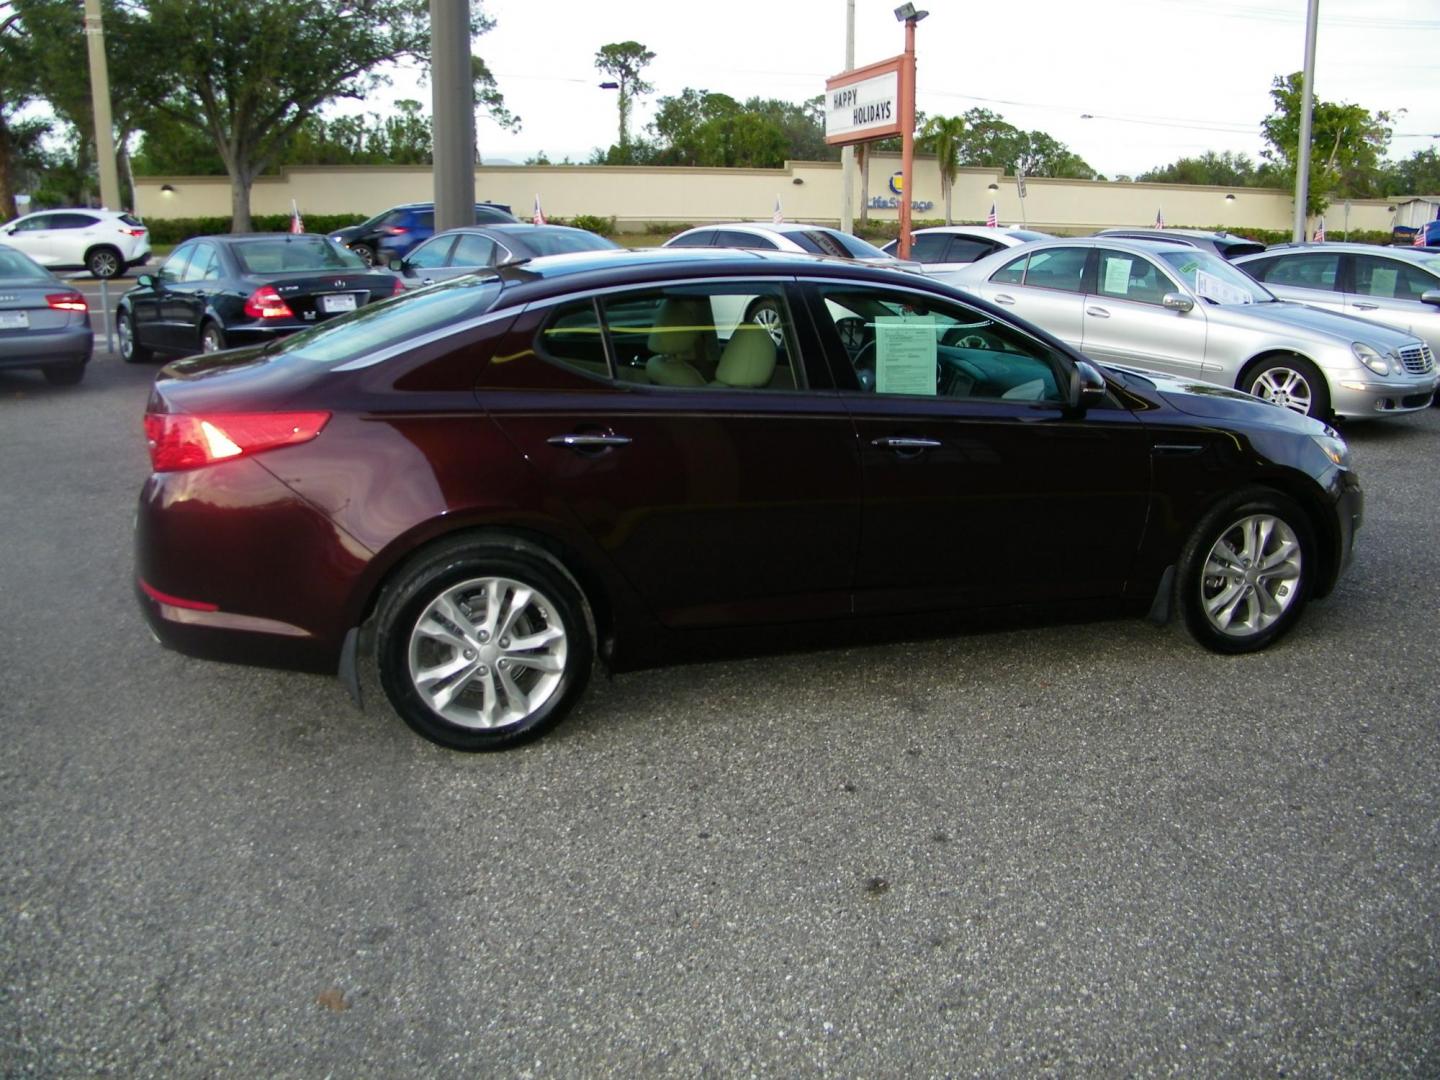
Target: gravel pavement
{"type": "Point", "coordinates": [1085, 849]}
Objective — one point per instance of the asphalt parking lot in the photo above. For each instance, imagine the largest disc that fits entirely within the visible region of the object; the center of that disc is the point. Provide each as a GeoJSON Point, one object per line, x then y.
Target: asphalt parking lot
{"type": "Point", "coordinates": [1066, 850]}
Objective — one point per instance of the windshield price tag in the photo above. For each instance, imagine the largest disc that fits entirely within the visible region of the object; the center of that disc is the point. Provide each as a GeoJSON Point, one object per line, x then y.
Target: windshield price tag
{"type": "Point", "coordinates": [1222, 292]}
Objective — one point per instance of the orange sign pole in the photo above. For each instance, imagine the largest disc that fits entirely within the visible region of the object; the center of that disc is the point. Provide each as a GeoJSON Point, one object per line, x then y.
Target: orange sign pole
{"type": "Point", "coordinates": [907, 135]}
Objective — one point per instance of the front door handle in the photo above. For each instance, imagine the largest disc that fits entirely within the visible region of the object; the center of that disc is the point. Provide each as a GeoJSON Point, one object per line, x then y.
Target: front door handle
{"type": "Point", "coordinates": [1098, 312]}
{"type": "Point", "coordinates": [1367, 307]}
{"type": "Point", "coordinates": [1004, 298]}
{"type": "Point", "coordinates": [905, 444]}
{"type": "Point", "coordinates": [591, 442]}
{"type": "Point", "coordinates": [427, 281]}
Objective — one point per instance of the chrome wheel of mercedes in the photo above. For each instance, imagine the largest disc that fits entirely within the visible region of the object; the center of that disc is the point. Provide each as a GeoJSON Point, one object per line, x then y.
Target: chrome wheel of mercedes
{"type": "Point", "coordinates": [1251, 575]}
{"type": "Point", "coordinates": [766, 315]}
{"type": "Point", "coordinates": [488, 653]}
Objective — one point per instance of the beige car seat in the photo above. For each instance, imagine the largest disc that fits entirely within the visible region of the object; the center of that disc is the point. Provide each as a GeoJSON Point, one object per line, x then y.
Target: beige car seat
{"type": "Point", "coordinates": [748, 361]}
{"type": "Point", "coordinates": [678, 340]}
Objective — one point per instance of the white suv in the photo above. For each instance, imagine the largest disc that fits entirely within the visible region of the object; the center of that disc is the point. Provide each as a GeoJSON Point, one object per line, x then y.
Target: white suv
{"type": "Point", "coordinates": [105, 242]}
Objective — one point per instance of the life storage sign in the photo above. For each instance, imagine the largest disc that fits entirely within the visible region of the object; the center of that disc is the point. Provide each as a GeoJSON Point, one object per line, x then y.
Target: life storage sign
{"type": "Point", "coordinates": [863, 104]}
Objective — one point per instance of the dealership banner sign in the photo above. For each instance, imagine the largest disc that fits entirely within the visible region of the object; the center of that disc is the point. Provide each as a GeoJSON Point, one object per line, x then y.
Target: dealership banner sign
{"type": "Point", "coordinates": [863, 104]}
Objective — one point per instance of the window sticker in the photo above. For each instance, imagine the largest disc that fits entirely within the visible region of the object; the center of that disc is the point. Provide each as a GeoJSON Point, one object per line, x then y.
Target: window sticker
{"type": "Point", "coordinates": [1382, 281]}
{"type": "Point", "coordinates": [1189, 268]}
{"type": "Point", "coordinates": [1117, 276]}
{"type": "Point", "coordinates": [905, 354]}
{"type": "Point", "coordinates": [1222, 292]}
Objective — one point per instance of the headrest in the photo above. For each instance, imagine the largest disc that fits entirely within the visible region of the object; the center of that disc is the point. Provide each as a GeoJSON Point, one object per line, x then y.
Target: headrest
{"type": "Point", "coordinates": [678, 326]}
{"type": "Point", "coordinates": [749, 358]}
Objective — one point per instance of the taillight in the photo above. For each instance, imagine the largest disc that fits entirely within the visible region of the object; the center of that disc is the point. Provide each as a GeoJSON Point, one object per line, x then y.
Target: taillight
{"type": "Point", "coordinates": [67, 301]}
{"type": "Point", "coordinates": [133, 232]}
{"type": "Point", "coordinates": [188, 441]}
{"type": "Point", "coordinates": [396, 230]}
{"type": "Point", "coordinates": [397, 288]}
{"type": "Point", "coordinates": [266, 303]}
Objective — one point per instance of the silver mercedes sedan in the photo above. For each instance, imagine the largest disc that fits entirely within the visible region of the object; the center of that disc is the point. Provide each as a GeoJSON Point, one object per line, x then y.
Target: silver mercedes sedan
{"type": "Point", "coordinates": [1186, 312]}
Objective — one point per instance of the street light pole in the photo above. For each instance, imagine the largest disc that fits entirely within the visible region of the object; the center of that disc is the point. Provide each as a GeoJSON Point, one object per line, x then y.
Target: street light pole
{"type": "Point", "coordinates": [907, 126]}
{"type": "Point", "coordinates": [1307, 84]}
{"type": "Point", "coordinates": [847, 153]}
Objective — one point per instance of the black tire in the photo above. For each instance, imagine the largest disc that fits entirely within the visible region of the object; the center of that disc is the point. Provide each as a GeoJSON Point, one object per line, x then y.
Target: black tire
{"type": "Point", "coordinates": [366, 253]}
{"type": "Point", "coordinates": [64, 374]}
{"type": "Point", "coordinates": [212, 337]}
{"type": "Point", "coordinates": [131, 351]}
{"type": "Point", "coordinates": [104, 262]}
{"type": "Point", "coordinates": [1291, 381]}
{"type": "Point", "coordinates": [413, 636]}
{"type": "Point", "coordinates": [1222, 591]}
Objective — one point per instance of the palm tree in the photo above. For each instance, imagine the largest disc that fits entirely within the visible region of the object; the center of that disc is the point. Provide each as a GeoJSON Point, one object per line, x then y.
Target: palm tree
{"type": "Point", "coordinates": [942, 136]}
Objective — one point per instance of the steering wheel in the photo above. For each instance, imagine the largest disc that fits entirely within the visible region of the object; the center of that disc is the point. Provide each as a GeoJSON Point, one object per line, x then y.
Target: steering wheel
{"type": "Point", "coordinates": [852, 333]}
{"type": "Point", "coordinates": [958, 338]}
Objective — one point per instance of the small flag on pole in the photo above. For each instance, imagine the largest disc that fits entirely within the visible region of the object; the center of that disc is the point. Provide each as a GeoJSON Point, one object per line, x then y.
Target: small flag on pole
{"type": "Point", "coordinates": [1419, 240]}
{"type": "Point", "coordinates": [538, 218]}
{"type": "Point", "coordinates": [1159, 218]}
{"type": "Point", "coordinates": [777, 217]}
{"type": "Point", "coordinates": [992, 219]}
{"type": "Point", "coordinates": [1320, 231]}
{"type": "Point", "coordinates": [297, 225]}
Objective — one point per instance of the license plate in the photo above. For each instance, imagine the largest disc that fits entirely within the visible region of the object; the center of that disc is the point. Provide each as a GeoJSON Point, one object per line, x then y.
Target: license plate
{"type": "Point", "coordinates": [14, 320]}
{"type": "Point", "coordinates": [338, 302]}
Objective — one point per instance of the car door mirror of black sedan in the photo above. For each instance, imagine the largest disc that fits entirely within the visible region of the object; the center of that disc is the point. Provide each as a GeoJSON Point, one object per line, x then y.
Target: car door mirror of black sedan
{"type": "Point", "coordinates": [1087, 386]}
{"type": "Point", "coordinates": [145, 281]}
{"type": "Point", "coordinates": [1431, 296]}
{"type": "Point", "coordinates": [1177, 302]}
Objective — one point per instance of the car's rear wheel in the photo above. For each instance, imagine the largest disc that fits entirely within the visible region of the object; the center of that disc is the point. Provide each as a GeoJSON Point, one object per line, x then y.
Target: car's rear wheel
{"type": "Point", "coordinates": [1244, 575]}
{"type": "Point", "coordinates": [131, 351]}
{"type": "Point", "coordinates": [767, 314]}
{"type": "Point", "coordinates": [483, 643]}
{"type": "Point", "coordinates": [1291, 381]}
{"type": "Point", "coordinates": [212, 338]}
{"type": "Point", "coordinates": [64, 374]}
{"type": "Point", "coordinates": [104, 262]}
{"type": "Point", "coordinates": [366, 253]}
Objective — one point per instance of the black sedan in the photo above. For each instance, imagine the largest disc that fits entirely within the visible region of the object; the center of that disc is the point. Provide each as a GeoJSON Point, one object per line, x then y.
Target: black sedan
{"type": "Point", "coordinates": [468, 249]}
{"type": "Point", "coordinates": [215, 292]}
{"type": "Point", "coordinates": [44, 323]}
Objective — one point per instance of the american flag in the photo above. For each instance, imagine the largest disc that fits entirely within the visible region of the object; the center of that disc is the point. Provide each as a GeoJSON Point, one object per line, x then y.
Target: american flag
{"type": "Point", "coordinates": [297, 225]}
{"type": "Point", "coordinates": [1320, 231]}
{"type": "Point", "coordinates": [538, 218]}
{"type": "Point", "coordinates": [777, 217]}
{"type": "Point", "coordinates": [1419, 240]}
{"type": "Point", "coordinates": [1159, 219]}
{"type": "Point", "coordinates": [992, 219]}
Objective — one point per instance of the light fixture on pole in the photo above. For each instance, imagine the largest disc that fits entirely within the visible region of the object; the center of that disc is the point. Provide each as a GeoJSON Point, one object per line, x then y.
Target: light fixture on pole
{"type": "Point", "coordinates": [907, 14]}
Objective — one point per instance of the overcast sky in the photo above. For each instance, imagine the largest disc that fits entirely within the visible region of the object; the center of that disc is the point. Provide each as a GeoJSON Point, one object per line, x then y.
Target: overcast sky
{"type": "Point", "coordinates": [1161, 78]}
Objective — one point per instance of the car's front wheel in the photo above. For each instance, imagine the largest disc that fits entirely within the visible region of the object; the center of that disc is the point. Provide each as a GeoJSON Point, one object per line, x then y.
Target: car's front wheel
{"type": "Point", "coordinates": [1245, 574]}
{"type": "Point", "coordinates": [131, 351]}
{"type": "Point", "coordinates": [1291, 381]}
{"type": "Point", "coordinates": [483, 643]}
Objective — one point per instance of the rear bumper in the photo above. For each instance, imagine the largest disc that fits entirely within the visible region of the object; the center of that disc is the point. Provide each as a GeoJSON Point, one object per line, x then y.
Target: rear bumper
{"type": "Point", "coordinates": [41, 348]}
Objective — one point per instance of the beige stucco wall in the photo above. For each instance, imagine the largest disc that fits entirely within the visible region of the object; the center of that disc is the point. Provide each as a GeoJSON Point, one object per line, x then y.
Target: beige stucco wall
{"type": "Point", "coordinates": [808, 191]}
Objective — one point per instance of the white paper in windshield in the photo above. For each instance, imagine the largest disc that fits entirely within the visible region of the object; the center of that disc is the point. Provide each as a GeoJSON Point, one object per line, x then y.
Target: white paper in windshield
{"type": "Point", "coordinates": [1222, 292]}
{"type": "Point", "coordinates": [905, 355]}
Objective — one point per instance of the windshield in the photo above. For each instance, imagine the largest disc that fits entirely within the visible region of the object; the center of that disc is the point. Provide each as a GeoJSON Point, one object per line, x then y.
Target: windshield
{"type": "Point", "coordinates": [395, 321]}
{"type": "Point", "coordinates": [1212, 278]}
{"type": "Point", "coordinates": [280, 253]}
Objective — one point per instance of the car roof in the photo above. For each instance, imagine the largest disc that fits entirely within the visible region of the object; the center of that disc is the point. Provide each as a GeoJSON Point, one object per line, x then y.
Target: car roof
{"type": "Point", "coordinates": [241, 238]}
{"type": "Point", "coordinates": [511, 228]}
{"type": "Point", "coordinates": [765, 226]}
{"type": "Point", "coordinates": [1122, 243]}
{"type": "Point", "coordinates": [1205, 234]}
{"type": "Point", "coordinates": [1402, 251]}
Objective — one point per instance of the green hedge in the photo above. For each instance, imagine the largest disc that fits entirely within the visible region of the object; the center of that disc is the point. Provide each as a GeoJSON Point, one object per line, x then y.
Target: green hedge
{"type": "Point", "coordinates": [174, 230]}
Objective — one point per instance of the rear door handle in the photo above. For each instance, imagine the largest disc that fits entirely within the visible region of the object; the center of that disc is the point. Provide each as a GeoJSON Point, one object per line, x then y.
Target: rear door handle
{"type": "Point", "coordinates": [1098, 312]}
{"type": "Point", "coordinates": [1367, 307]}
{"type": "Point", "coordinates": [1004, 298]}
{"type": "Point", "coordinates": [584, 443]}
{"type": "Point", "coordinates": [905, 444]}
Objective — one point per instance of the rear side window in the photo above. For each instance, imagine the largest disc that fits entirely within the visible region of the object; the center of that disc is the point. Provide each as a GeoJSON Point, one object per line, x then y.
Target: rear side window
{"type": "Point", "coordinates": [1053, 268]}
{"type": "Point", "coordinates": [929, 247]}
{"type": "Point", "coordinates": [1391, 278]}
{"type": "Point", "coordinates": [729, 238]}
{"type": "Point", "coordinates": [1312, 270]}
{"type": "Point", "coordinates": [702, 238]}
{"type": "Point", "coordinates": [964, 249]}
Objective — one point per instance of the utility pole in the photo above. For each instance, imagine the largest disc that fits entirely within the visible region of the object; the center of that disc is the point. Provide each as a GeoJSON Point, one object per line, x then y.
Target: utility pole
{"type": "Point", "coordinates": [1307, 101]}
{"type": "Point", "coordinates": [100, 105]}
{"type": "Point", "coordinates": [847, 153]}
{"type": "Point", "coordinates": [452, 95]}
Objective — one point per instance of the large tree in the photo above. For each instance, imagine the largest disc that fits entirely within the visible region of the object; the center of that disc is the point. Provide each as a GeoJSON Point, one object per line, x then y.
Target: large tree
{"type": "Point", "coordinates": [249, 75]}
{"type": "Point", "coordinates": [1346, 143]}
{"type": "Point", "coordinates": [942, 136]}
{"type": "Point", "coordinates": [623, 61]}
{"type": "Point", "coordinates": [1220, 170]}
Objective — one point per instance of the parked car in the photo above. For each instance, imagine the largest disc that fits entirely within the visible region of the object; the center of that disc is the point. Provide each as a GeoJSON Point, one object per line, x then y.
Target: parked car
{"type": "Point", "coordinates": [454, 252]}
{"type": "Point", "coordinates": [1219, 243]}
{"type": "Point", "coordinates": [1164, 307]}
{"type": "Point", "coordinates": [392, 233]}
{"type": "Point", "coordinates": [484, 487]}
{"type": "Point", "coordinates": [1396, 286]}
{"type": "Point", "coordinates": [44, 323]}
{"type": "Point", "coordinates": [946, 248]}
{"type": "Point", "coordinates": [215, 292]}
{"type": "Point", "coordinates": [104, 242]}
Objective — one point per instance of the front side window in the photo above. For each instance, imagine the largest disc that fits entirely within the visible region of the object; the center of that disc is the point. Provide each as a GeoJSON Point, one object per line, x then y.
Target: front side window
{"type": "Point", "coordinates": [1391, 278]}
{"type": "Point", "coordinates": [203, 266]}
{"type": "Point", "coordinates": [736, 336]}
{"type": "Point", "coordinates": [731, 238]}
{"type": "Point", "coordinates": [1213, 279]}
{"type": "Point", "coordinates": [913, 345]}
{"type": "Point", "coordinates": [432, 253]}
{"type": "Point", "coordinates": [1052, 268]}
{"type": "Point", "coordinates": [1311, 270]}
{"type": "Point", "coordinates": [173, 269]}
{"type": "Point", "coordinates": [37, 223]}
{"type": "Point", "coordinates": [1126, 276]}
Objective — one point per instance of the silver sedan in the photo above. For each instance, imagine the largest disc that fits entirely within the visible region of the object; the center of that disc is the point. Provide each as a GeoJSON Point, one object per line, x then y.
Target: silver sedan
{"type": "Point", "coordinates": [1186, 312]}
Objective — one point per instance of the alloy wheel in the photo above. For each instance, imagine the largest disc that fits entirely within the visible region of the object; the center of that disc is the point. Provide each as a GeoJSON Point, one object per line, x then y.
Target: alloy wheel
{"type": "Point", "coordinates": [1285, 386]}
{"type": "Point", "coordinates": [1251, 575]}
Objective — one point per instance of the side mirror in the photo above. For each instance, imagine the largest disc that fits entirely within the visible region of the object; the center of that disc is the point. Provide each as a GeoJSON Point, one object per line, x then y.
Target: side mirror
{"type": "Point", "coordinates": [1177, 302]}
{"type": "Point", "coordinates": [145, 281]}
{"type": "Point", "coordinates": [1431, 296]}
{"type": "Point", "coordinates": [397, 264]}
{"type": "Point", "coordinates": [1087, 386]}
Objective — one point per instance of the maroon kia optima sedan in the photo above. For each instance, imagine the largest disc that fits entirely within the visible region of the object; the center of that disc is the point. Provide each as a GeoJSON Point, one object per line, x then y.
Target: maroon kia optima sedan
{"type": "Point", "coordinates": [485, 486]}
